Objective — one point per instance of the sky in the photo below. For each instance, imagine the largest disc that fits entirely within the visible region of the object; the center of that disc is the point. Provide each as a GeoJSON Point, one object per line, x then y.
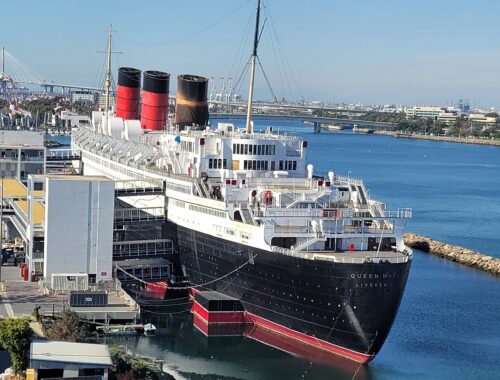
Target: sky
{"type": "Point", "coordinates": [380, 52]}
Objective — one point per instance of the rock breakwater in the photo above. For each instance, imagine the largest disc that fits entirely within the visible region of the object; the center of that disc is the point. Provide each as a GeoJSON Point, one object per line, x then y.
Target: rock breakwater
{"type": "Point", "coordinates": [454, 253]}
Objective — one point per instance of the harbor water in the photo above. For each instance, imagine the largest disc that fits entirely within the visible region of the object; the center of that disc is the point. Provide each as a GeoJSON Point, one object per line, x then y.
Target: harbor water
{"type": "Point", "coordinates": [447, 326]}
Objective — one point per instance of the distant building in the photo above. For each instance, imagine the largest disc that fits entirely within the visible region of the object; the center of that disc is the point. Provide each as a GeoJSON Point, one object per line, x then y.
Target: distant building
{"type": "Point", "coordinates": [71, 119]}
{"type": "Point", "coordinates": [426, 111]}
{"type": "Point", "coordinates": [102, 101]}
{"type": "Point", "coordinates": [482, 118]}
{"type": "Point", "coordinates": [21, 153]}
{"type": "Point", "coordinates": [86, 96]}
{"type": "Point", "coordinates": [463, 105]}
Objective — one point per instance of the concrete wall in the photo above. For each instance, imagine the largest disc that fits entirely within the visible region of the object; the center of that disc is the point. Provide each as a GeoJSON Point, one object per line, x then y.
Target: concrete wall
{"type": "Point", "coordinates": [79, 226]}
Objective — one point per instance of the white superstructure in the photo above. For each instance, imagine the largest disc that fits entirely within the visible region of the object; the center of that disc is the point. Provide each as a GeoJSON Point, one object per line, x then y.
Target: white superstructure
{"type": "Point", "coordinates": [251, 188]}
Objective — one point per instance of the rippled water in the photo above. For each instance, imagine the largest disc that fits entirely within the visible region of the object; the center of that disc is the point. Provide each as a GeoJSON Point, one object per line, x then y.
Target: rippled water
{"type": "Point", "coordinates": [448, 324]}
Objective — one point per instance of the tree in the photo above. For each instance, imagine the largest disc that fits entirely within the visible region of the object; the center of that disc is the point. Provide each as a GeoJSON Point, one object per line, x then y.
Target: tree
{"type": "Point", "coordinates": [15, 337]}
{"type": "Point", "coordinates": [68, 327]}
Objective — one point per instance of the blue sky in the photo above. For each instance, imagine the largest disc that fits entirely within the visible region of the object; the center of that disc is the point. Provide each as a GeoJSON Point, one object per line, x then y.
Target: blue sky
{"type": "Point", "coordinates": [385, 51]}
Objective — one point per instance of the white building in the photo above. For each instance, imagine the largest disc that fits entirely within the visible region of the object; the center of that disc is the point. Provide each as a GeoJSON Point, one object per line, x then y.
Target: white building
{"type": "Point", "coordinates": [73, 217]}
{"type": "Point", "coordinates": [21, 153]}
{"type": "Point", "coordinates": [85, 96]}
{"type": "Point", "coordinates": [430, 112]}
{"type": "Point", "coordinates": [72, 119]}
{"type": "Point", "coordinates": [482, 118]}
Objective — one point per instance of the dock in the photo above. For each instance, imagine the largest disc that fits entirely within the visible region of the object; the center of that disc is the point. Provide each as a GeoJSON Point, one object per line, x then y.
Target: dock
{"type": "Point", "coordinates": [21, 298]}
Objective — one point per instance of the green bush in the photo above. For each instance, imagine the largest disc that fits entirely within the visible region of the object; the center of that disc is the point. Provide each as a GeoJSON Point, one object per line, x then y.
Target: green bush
{"type": "Point", "coordinates": [15, 337]}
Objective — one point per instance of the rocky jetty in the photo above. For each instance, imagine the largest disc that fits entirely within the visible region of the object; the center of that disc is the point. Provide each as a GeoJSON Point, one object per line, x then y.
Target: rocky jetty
{"type": "Point", "coordinates": [461, 140]}
{"type": "Point", "coordinates": [452, 252]}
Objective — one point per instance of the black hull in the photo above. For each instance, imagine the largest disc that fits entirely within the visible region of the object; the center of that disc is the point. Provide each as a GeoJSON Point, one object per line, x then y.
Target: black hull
{"type": "Point", "coordinates": [349, 306]}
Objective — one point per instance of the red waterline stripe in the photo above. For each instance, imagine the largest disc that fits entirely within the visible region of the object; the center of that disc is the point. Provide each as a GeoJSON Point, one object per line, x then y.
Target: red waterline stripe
{"type": "Point", "coordinates": [309, 340]}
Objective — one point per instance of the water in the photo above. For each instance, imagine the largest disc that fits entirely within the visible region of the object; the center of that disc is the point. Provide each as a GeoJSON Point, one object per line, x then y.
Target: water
{"type": "Point", "coordinates": [447, 326]}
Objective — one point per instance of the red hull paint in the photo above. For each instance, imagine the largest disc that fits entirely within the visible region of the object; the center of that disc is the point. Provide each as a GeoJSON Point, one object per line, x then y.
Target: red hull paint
{"type": "Point", "coordinates": [310, 341]}
{"type": "Point", "coordinates": [284, 338]}
{"type": "Point", "coordinates": [158, 288]}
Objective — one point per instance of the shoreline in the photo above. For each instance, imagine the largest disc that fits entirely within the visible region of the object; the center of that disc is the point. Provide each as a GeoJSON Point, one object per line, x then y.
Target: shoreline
{"type": "Point", "coordinates": [460, 140]}
{"type": "Point", "coordinates": [454, 253]}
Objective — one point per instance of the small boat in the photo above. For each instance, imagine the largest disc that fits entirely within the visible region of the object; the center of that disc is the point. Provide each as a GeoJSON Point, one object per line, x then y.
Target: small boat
{"type": "Point", "coordinates": [333, 127]}
{"type": "Point", "coordinates": [149, 329]}
{"type": "Point", "coordinates": [119, 330]}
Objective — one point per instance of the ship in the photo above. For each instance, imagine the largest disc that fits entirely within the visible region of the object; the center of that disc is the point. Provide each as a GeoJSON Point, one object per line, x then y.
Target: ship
{"type": "Point", "coordinates": [311, 257]}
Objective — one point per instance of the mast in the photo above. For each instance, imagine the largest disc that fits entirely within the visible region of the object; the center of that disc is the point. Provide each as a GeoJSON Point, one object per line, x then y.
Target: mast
{"type": "Point", "coordinates": [108, 71]}
{"type": "Point", "coordinates": [3, 60]}
{"type": "Point", "coordinates": [252, 70]}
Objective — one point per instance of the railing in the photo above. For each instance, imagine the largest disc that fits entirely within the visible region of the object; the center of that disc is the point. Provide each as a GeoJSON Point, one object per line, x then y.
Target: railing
{"type": "Point", "coordinates": [143, 248]}
{"type": "Point", "coordinates": [144, 214]}
{"type": "Point", "coordinates": [344, 258]}
{"type": "Point", "coordinates": [140, 186]}
{"type": "Point", "coordinates": [63, 154]}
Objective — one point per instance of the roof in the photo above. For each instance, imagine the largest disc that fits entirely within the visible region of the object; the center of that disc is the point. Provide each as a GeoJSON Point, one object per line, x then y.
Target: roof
{"type": "Point", "coordinates": [143, 263]}
{"type": "Point", "coordinates": [68, 352]}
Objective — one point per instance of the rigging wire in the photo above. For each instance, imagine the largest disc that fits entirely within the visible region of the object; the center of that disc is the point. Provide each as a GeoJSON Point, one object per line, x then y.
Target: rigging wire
{"type": "Point", "coordinates": [184, 38]}
{"type": "Point", "coordinates": [284, 60]}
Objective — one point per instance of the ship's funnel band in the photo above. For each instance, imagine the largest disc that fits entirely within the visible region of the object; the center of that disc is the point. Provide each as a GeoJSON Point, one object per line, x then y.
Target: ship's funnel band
{"type": "Point", "coordinates": [156, 81]}
{"type": "Point", "coordinates": [127, 102]}
{"type": "Point", "coordinates": [128, 93]}
{"type": "Point", "coordinates": [191, 107]}
{"type": "Point", "coordinates": [190, 103]}
{"type": "Point", "coordinates": [154, 111]}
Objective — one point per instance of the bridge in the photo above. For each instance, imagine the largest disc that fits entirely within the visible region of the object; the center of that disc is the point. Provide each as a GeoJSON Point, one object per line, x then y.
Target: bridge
{"type": "Point", "coordinates": [347, 123]}
{"type": "Point", "coordinates": [15, 73]}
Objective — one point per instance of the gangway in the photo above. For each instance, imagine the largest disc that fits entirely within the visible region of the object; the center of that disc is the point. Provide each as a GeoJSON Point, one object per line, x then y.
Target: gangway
{"type": "Point", "coordinates": [140, 187]}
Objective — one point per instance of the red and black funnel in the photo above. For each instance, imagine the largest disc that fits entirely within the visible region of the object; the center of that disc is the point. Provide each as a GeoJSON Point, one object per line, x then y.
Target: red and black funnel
{"type": "Point", "coordinates": [191, 106]}
{"type": "Point", "coordinates": [154, 111]}
{"type": "Point", "coordinates": [128, 93]}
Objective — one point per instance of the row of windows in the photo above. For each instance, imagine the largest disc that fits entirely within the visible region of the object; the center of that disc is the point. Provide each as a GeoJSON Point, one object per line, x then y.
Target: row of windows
{"type": "Point", "coordinates": [288, 165]}
{"type": "Point", "coordinates": [255, 165]}
{"type": "Point", "coordinates": [207, 210]}
{"type": "Point", "coordinates": [261, 150]}
{"type": "Point", "coordinates": [217, 163]}
{"type": "Point", "coordinates": [177, 203]}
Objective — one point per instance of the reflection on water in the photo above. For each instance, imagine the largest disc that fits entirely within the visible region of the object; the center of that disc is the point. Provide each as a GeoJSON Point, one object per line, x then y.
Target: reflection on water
{"type": "Point", "coordinates": [189, 354]}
